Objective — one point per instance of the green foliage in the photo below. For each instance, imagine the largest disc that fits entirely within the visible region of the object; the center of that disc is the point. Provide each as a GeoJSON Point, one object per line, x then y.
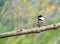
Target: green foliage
{"type": "Point", "coordinates": [12, 15]}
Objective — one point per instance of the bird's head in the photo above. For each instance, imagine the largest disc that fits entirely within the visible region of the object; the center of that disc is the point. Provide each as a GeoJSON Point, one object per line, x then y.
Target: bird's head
{"type": "Point", "coordinates": [40, 18]}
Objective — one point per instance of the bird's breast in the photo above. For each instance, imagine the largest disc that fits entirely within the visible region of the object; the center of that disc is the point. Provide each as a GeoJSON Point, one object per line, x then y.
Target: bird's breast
{"type": "Point", "coordinates": [40, 23]}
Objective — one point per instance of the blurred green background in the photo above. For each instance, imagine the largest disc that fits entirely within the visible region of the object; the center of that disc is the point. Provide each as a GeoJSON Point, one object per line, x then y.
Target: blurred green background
{"type": "Point", "coordinates": [16, 14]}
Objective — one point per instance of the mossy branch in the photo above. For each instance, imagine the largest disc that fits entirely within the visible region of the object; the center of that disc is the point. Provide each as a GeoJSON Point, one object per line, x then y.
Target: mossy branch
{"type": "Point", "coordinates": [30, 31]}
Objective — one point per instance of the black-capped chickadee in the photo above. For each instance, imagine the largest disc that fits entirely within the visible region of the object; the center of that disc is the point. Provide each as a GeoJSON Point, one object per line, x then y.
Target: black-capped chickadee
{"type": "Point", "coordinates": [40, 21]}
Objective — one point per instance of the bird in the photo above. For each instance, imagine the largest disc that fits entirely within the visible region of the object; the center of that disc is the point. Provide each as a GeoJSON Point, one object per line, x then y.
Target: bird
{"type": "Point", "coordinates": [40, 22]}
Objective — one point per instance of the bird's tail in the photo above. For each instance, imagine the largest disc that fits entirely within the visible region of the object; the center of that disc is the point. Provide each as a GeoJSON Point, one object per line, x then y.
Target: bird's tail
{"type": "Point", "coordinates": [37, 36]}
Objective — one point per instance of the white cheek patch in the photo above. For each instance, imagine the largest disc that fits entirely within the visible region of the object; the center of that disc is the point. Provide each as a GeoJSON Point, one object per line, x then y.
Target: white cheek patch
{"type": "Point", "coordinates": [42, 18]}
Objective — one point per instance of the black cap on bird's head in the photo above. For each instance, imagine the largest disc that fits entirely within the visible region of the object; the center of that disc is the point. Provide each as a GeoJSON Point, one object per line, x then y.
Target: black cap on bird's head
{"type": "Point", "coordinates": [40, 18]}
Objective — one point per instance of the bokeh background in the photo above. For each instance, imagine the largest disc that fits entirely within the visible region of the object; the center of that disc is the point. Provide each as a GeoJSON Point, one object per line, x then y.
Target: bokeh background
{"type": "Point", "coordinates": [16, 14]}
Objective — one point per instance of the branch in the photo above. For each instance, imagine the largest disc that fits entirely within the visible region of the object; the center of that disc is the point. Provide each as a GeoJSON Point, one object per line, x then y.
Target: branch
{"type": "Point", "coordinates": [29, 31]}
